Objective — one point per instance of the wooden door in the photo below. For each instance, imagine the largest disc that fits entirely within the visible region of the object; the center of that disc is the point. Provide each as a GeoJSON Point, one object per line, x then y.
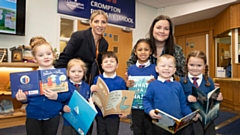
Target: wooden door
{"type": "Point", "coordinates": [196, 42]}
{"type": "Point", "coordinates": [223, 53]}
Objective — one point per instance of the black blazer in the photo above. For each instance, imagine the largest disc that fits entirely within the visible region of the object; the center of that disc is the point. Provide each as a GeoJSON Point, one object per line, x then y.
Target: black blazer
{"type": "Point", "coordinates": [81, 45]}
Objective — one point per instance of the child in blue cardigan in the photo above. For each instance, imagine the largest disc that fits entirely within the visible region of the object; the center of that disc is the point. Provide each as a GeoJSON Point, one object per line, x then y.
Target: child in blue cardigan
{"type": "Point", "coordinates": [76, 71]}
{"type": "Point", "coordinates": [109, 125]}
{"type": "Point", "coordinates": [43, 110]}
{"type": "Point", "coordinates": [141, 122]}
{"type": "Point", "coordinates": [165, 94]}
{"type": "Point", "coordinates": [195, 65]}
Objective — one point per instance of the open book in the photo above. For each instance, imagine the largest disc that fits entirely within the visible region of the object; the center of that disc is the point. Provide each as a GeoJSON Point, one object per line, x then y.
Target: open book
{"type": "Point", "coordinates": [115, 102]}
{"type": "Point", "coordinates": [172, 124]}
{"type": "Point", "coordinates": [140, 87]}
{"type": "Point", "coordinates": [207, 104]}
{"type": "Point", "coordinates": [82, 113]}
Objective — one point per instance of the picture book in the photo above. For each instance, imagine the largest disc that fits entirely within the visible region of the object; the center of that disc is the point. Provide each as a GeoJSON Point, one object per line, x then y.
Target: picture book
{"type": "Point", "coordinates": [114, 102]}
{"type": "Point", "coordinates": [172, 124]}
{"type": "Point", "coordinates": [82, 113]}
{"type": "Point", "coordinates": [6, 107]}
{"type": "Point", "coordinates": [207, 104]}
{"type": "Point", "coordinates": [34, 82]}
{"type": "Point", "coordinates": [140, 87]}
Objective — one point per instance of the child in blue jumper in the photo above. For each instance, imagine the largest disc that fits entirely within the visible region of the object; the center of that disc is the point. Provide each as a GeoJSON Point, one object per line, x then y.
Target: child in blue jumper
{"type": "Point", "coordinates": [165, 94]}
{"type": "Point", "coordinates": [43, 110]}
{"type": "Point", "coordinates": [76, 71]}
{"type": "Point", "coordinates": [109, 125]}
{"type": "Point", "coordinates": [141, 122]}
{"type": "Point", "coordinates": [195, 65]}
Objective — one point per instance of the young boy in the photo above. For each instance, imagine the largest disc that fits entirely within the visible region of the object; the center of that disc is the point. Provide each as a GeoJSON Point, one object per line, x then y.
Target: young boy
{"type": "Point", "coordinates": [165, 94]}
{"type": "Point", "coordinates": [109, 125]}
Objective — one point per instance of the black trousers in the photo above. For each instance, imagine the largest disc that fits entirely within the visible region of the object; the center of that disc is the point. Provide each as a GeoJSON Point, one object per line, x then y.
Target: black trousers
{"type": "Point", "coordinates": [159, 131]}
{"type": "Point", "coordinates": [42, 127]}
{"type": "Point", "coordinates": [107, 125]}
{"type": "Point", "coordinates": [198, 129]}
{"type": "Point", "coordinates": [142, 123]}
{"type": "Point", "coordinates": [69, 130]}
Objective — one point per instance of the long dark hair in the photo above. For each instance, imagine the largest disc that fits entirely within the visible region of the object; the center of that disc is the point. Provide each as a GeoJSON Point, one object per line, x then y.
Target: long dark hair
{"type": "Point", "coordinates": [169, 43]}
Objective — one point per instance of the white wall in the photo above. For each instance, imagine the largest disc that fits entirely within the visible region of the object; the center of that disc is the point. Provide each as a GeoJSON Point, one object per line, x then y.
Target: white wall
{"type": "Point", "coordinates": [42, 20]}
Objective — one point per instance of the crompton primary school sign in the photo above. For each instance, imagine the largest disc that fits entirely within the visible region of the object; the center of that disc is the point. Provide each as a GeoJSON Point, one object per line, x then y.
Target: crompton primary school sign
{"type": "Point", "coordinates": [120, 12]}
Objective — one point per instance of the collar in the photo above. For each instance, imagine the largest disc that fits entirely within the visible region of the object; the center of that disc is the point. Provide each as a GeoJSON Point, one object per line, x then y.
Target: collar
{"type": "Point", "coordinates": [74, 82]}
{"type": "Point", "coordinates": [163, 80]}
{"type": "Point", "coordinates": [39, 68]}
{"type": "Point", "coordinates": [113, 76]}
{"type": "Point", "coordinates": [191, 76]}
{"type": "Point", "coordinates": [145, 64]}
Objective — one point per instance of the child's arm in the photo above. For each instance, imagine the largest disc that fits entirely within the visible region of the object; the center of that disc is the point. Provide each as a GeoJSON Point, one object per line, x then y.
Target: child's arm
{"type": "Point", "coordinates": [51, 94]}
{"type": "Point", "coordinates": [66, 108]}
{"type": "Point", "coordinates": [154, 115]}
{"type": "Point", "coordinates": [220, 97]}
{"type": "Point", "coordinates": [191, 98]}
{"type": "Point", "coordinates": [94, 88]}
{"type": "Point", "coordinates": [129, 83]}
{"type": "Point", "coordinates": [21, 96]}
{"type": "Point", "coordinates": [122, 116]}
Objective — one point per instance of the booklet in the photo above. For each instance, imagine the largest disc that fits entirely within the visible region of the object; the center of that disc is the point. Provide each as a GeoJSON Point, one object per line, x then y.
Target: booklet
{"type": "Point", "coordinates": [140, 87]}
{"type": "Point", "coordinates": [172, 124]}
{"type": "Point", "coordinates": [82, 113]}
{"type": "Point", "coordinates": [207, 104]}
{"type": "Point", "coordinates": [114, 102]}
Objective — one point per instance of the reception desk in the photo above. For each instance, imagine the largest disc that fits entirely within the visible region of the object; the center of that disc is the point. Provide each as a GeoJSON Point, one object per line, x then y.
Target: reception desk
{"type": "Point", "coordinates": [230, 88]}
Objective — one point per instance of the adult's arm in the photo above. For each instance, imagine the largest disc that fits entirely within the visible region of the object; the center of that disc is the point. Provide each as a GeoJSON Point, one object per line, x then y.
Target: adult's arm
{"type": "Point", "coordinates": [69, 51]}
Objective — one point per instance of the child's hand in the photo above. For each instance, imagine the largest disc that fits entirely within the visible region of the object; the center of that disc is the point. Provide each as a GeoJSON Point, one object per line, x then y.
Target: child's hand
{"type": "Point", "coordinates": [191, 98]}
{"type": "Point", "coordinates": [122, 116]}
{"type": "Point", "coordinates": [94, 88]}
{"type": "Point", "coordinates": [50, 94]}
{"type": "Point", "coordinates": [152, 79]}
{"type": "Point", "coordinates": [129, 83]}
{"type": "Point", "coordinates": [21, 96]}
{"type": "Point", "coordinates": [90, 100]}
{"type": "Point", "coordinates": [220, 97]}
{"type": "Point", "coordinates": [153, 115]}
{"type": "Point", "coordinates": [66, 108]}
{"type": "Point", "coordinates": [196, 117]}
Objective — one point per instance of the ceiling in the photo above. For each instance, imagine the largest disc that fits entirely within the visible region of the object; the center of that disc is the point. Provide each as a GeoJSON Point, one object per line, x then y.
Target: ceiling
{"type": "Point", "coordinates": [192, 17]}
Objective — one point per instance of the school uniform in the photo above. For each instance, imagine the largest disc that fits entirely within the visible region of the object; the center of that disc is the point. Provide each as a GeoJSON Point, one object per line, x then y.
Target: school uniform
{"type": "Point", "coordinates": [197, 127]}
{"type": "Point", "coordinates": [168, 97]}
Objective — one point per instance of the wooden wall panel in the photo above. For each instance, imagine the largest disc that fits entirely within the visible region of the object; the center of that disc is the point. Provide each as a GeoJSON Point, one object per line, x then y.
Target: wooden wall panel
{"type": "Point", "coordinates": [211, 54]}
{"type": "Point", "coordinates": [181, 42]}
{"type": "Point", "coordinates": [235, 16]}
{"type": "Point", "coordinates": [222, 22]}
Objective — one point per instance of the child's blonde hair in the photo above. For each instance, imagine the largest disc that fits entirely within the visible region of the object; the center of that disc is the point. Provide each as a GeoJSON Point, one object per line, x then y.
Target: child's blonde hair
{"type": "Point", "coordinates": [168, 56]}
{"type": "Point", "coordinates": [74, 62]}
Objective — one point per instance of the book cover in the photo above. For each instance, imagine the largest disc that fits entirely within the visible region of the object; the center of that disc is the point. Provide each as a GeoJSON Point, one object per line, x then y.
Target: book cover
{"type": "Point", "coordinates": [82, 113]}
{"type": "Point", "coordinates": [115, 102]}
{"type": "Point", "coordinates": [27, 81]}
{"type": "Point", "coordinates": [207, 104]}
{"type": "Point", "coordinates": [172, 124]}
{"type": "Point", "coordinates": [140, 87]}
{"type": "Point", "coordinates": [6, 107]}
{"type": "Point", "coordinates": [54, 79]}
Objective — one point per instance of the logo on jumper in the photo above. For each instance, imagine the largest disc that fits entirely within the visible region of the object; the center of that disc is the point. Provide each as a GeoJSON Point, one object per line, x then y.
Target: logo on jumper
{"type": "Point", "coordinates": [113, 1]}
{"type": "Point", "coordinates": [25, 79]}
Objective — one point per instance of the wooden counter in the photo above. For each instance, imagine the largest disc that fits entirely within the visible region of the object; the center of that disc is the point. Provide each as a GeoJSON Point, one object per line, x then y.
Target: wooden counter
{"type": "Point", "coordinates": [230, 88]}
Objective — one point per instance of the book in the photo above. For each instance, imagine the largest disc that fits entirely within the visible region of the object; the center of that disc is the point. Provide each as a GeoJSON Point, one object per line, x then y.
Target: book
{"type": "Point", "coordinates": [34, 82]}
{"type": "Point", "coordinates": [82, 113]}
{"type": "Point", "coordinates": [207, 104]}
{"type": "Point", "coordinates": [114, 102]}
{"type": "Point", "coordinates": [140, 87]}
{"type": "Point", "coordinates": [6, 107]}
{"type": "Point", "coordinates": [172, 124]}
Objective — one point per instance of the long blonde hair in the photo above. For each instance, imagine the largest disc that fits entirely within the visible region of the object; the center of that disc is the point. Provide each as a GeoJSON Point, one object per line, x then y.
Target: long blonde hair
{"type": "Point", "coordinates": [98, 12]}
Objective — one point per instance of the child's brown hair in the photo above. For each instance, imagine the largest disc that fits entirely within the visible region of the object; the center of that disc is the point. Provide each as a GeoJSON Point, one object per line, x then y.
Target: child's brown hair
{"type": "Point", "coordinates": [38, 41]}
{"type": "Point", "coordinates": [168, 56]}
{"type": "Point", "coordinates": [109, 54]}
{"type": "Point", "coordinates": [74, 62]}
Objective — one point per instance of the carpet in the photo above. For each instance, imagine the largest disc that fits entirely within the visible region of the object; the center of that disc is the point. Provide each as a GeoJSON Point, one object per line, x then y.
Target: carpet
{"type": "Point", "coordinates": [223, 116]}
{"type": "Point", "coordinates": [230, 129]}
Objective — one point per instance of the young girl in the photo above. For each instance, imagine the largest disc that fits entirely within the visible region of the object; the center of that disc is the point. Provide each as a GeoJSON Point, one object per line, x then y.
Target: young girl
{"type": "Point", "coordinates": [142, 124]}
{"type": "Point", "coordinates": [195, 65]}
{"type": "Point", "coordinates": [76, 71]}
{"type": "Point", "coordinates": [43, 110]}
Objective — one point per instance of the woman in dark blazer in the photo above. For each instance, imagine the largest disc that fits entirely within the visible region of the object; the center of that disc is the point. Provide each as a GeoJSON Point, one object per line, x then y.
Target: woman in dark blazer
{"type": "Point", "coordinates": [87, 45]}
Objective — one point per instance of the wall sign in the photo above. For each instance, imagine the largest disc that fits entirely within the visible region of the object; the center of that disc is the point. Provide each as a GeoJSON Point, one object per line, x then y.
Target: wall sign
{"type": "Point", "coordinates": [120, 12]}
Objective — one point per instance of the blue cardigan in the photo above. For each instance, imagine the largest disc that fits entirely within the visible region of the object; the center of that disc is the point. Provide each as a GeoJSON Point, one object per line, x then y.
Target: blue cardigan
{"type": "Point", "coordinates": [166, 96]}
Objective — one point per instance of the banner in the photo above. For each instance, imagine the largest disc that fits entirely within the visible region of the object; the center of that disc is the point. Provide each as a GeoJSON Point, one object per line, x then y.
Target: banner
{"type": "Point", "coordinates": [120, 12]}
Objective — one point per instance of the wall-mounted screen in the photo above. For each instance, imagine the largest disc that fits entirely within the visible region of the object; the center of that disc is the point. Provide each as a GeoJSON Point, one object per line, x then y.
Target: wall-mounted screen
{"type": "Point", "coordinates": [12, 17]}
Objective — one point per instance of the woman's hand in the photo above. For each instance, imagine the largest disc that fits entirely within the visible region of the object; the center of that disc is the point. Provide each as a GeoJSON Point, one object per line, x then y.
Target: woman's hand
{"type": "Point", "coordinates": [66, 108]}
{"type": "Point", "coordinates": [153, 115]}
{"type": "Point", "coordinates": [50, 94]}
{"type": "Point", "coordinates": [94, 88]}
{"type": "Point", "coordinates": [129, 83]}
{"type": "Point", "coordinates": [21, 96]}
{"type": "Point", "coordinates": [191, 98]}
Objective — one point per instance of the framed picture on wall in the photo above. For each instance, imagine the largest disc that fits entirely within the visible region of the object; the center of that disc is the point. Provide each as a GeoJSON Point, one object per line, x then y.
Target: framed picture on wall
{"type": "Point", "coordinates": [17, 55]}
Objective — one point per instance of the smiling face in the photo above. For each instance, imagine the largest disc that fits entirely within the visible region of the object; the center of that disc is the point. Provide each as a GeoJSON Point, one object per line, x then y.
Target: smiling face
{"type": "Point", "coordinates": [143, 51]}
{"type": "Point", "coordinates": [161, 30]}
{"type": "Point", "coordinates": [76, 73]}
{"type": "Point", "coordinates": [166, 67]}
{"type": "Point", "coordinates": [44, 56]}
{"type": "Point", "coordinates": [195, 66]}
{"type": "Point", "coordinates": [109, 65]}
{"type": "Point", "coordinates": [98, 24]}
